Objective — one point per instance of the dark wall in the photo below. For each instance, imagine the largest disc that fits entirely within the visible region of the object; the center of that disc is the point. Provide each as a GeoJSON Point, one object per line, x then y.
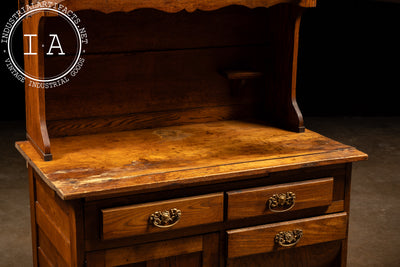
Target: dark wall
{"type": "Point", "coordinates": [12, 95]}
{"type": "Point", "coordinates": [348, 61]}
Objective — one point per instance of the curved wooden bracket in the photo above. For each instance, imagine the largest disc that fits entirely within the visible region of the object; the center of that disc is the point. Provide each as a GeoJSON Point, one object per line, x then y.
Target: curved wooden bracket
{"type": "Point", "coordinates": [36, 128]}
{"type": "Point", "coordinates": [281, 96]}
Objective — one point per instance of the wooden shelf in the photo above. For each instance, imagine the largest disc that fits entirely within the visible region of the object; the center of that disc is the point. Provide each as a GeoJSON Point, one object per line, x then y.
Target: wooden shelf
{"type": "Point", "coordinates": [169, 157]}
{"type": "Point", "coordinates": [242, 75]}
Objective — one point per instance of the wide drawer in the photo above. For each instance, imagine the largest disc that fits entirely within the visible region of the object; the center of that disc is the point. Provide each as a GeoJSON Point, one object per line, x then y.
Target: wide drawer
{"type": "Point", "coordinates": [280, 198]}
{"type": "Point", "coordinates": [277, 236]}
{"type": "Point", "coordinates": [161, 216]}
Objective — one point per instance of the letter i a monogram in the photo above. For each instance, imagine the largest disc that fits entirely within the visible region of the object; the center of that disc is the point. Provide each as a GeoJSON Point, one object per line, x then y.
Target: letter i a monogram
{"type": "Point", "coordinates": [52, 46]}
{"type": "Point", "coordinates": [55, 38]}
{"type": "Point", "coordinates": [30, 43]}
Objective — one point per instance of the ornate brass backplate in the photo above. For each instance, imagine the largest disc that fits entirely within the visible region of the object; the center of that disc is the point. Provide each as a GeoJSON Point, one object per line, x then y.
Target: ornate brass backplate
{"type": "Point", "coordinates": [282, 202]}
{"type": "Point", "coordinates": [288, 238]}
{"type": "Point", "coordinates": [166, 218]}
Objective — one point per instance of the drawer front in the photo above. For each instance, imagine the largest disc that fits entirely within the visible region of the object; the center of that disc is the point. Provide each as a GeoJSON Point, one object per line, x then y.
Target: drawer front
{"type": "Point", "coordinates": [280, 198]}
{"type": "Point", "coordinates": [161, 216]}
{"type": "Point", "coordinates": [277, 236]}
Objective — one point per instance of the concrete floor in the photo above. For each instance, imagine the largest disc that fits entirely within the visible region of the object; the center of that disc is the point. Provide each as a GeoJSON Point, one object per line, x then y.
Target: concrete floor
{"type": "Point", "coordinates": [374, 238]}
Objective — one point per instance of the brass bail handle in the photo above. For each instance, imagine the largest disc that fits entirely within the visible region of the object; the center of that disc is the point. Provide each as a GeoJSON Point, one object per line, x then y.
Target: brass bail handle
{"type": "Point", "coordinates": [166, 218]}
{"type": "Point", "coordinates": [282, 202]}
{"type": "Point", "coordinates": [288, 238]}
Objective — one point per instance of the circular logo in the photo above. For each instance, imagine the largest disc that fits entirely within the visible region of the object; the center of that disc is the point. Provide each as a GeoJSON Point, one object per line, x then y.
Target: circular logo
{"type": "Point", "coordinates": [52, 52]}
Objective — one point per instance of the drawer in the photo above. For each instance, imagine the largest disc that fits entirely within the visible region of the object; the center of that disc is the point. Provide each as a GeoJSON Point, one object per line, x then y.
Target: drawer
{"type": "Point", "coordinates": [280, 236]}
{"type": "Point", "coordinates": [280, 198]}
{"type": "Point", "coordinates": [161, 216]}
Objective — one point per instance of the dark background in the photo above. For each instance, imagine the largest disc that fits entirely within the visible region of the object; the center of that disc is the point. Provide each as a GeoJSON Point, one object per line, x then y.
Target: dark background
{"type": "Point", "coordinates": [349, 61]}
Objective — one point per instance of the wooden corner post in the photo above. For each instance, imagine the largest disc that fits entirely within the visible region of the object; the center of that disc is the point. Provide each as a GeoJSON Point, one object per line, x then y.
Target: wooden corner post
{"type": "Point", "coordinates": [281, 92]}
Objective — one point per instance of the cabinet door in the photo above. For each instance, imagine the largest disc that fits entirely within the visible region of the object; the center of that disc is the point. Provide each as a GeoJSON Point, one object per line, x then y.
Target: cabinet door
{"type": "Point", "coordinates": [202, 250]}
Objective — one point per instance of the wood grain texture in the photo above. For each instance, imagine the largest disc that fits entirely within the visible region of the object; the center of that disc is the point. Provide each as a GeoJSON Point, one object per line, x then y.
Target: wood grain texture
{"type": "Point", "coordinates": [43, 259]}
{"type": "Point", "coordinates": [36, 127]}
{"type": "Point", "coordinates": [105, 124]}
{"type": "Point", "coordinates": [152, 30]}
{"type": "Point", "coordinates": [254, 202]}
{"type": "Point", "coordinates": [347, 190]}
{"type": "Point", "coordinates": [157, 159]}
{"type": "Point", "coordinates": [60, 242]}
{"type": "Point", "coordinates": [56, 209]}
{"type": "Point", "coordinates": [260, 239]}
{"type": "Point", "coordinates": [321, 255]}
{"type": "Point", "coordinates": [32, 201]}
{"type": "Point", "coordinates": [200, 250]}
{"type": "Point", "coordinates": [211, 250]}
{"type": "Point", "coordinates": [134, 220]}
{"type": "Point", "coordinates": [192, 259]}
{"type": "Point", "coordinates": [282, 107]}
{"type": "Point", "coordinates": [93, 207]}
{"type": "Point", "coordinates": [151, 251]}
{"type": "Point", "coordinates": [183, 59]}
{"type": "Point", "coordinates": [174, 6]}
{"type": "Point", "coordinates": [145, 82]}
{"type": "Point", "coordinates": [59, 227]}
{"type": "Point", "coordinates": [48, 252]}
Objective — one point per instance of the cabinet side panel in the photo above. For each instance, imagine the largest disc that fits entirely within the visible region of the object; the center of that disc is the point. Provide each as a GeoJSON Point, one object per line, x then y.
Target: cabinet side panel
{"type": "Point", "coordinates": [36, 128]}
{"type": "Point", "coordinates": [347, 209]}
{"type": "Point", "coordinates": [32, 199]}
{"type": "Point", "coordinates": [60, 227]}
{"type": "Point", "coordinates": [281, 105]}
{"type": "Point", "coordinates": [48, 254]}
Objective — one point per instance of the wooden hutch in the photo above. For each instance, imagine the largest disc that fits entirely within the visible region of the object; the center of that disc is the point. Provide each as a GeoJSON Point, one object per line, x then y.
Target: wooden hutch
{"type": "Point", "coordinates": [180, 142]}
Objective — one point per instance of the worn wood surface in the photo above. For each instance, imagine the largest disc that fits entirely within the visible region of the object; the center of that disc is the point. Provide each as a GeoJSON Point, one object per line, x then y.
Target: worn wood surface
{"type": "Point", "coordinates": [281, 103]}
{"type": "Point", "coordinates": [254, 202]}
{"type": "Point", "coordinates": [156, 159]}
{"type": "Point", "coordinates": [133, 81]}
{"type": "Point", "coordinates": [57, 227]}
{"type": "Point", "coordinates": [321, 255]}
{"type": "Point", "coordinates": [173, 79]}
{"type": "Point", "coordinates": [260, 239]}
{"type": "Point", "coordinates": [93, 206]}
{"type": "Point", "coordinates": [201, 250]}
{"type": "Point", "coordinates": [347, 190]}
{"type": "Point", "coordinates": [48, 254]}
{"type": "Point", "coordinates": [36, 127]}
{"type": "Point", "coordinates": [32, 201]}
{"type": "Point", "coordinates": [134, 220]}
{"type": "Point", "coordinates": [146, 69]}
{"type": "Point", "coordinates": [163, 249]}
{"type": "Point", "coordinates": [200, 93]}
{"type": "Point", "coordinates": [174, 6]}
{"type": "Point", "coordinates": [151, 30]}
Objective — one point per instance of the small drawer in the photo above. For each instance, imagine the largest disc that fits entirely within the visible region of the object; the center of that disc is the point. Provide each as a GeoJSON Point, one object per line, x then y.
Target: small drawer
{"type": "Point", "coordinates": [279, 198]}
{"type": "Point", "coordinates": [161, 216]}
{"type": "Point", "coordinates": [277, 236]}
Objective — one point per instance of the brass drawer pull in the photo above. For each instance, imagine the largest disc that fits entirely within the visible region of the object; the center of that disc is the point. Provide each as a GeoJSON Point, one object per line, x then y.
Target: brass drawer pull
{"type": "Point", "coordinates": [282, 202]}
{"type": "Point", "coordinates": [288, 238]}
{"type": "Point", "coordinates": [166, 218]}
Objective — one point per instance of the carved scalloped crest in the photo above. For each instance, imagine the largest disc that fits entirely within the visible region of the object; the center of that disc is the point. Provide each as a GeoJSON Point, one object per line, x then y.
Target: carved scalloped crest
{"type": "Point", "coordinates": [109, 6]}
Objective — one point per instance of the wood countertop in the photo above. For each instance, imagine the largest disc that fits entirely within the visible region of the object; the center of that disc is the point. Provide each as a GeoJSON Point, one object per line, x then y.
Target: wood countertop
{"type": "Point", "coordinates": [173, 157]}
